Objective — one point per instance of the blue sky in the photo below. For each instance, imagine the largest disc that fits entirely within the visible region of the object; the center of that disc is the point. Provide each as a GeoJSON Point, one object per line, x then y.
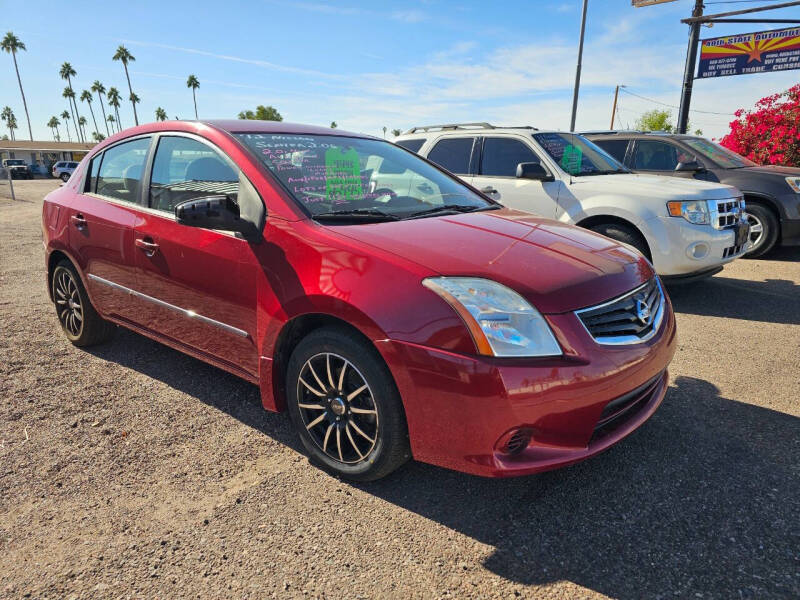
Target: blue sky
{"type": "Point", "coordinates": [369, 65]}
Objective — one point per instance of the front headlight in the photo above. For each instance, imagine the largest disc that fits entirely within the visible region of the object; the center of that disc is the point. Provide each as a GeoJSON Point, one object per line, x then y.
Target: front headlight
{"type": "Point", "coordinates": [502, 322]}
{"type": "Point", "coordinates": [794, 183]}
{"type": "Point", "coordinates": [694, 211]}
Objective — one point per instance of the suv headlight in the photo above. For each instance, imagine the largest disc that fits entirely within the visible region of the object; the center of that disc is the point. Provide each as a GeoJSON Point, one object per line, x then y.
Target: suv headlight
{"type": "Point", "coordinates": [694, 211]}
{"type": "Point", "coordinates": [502, 322]}
{"type": "Point", "coordinates": [794, 183]}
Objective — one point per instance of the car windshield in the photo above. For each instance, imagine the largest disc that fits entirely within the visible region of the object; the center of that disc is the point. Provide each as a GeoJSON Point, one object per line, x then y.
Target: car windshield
{"type": "Point", "coordinates": [337, 177]}
{"type": "Point", "coordinates": [15, 162]}
{"type": "Point", "coordinates": [727, 159]}
{"type": "Point", "coordinates": [577, 155]}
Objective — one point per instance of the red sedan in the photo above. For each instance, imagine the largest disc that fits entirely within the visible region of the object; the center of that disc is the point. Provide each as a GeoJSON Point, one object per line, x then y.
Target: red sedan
{"type": "Point", "coordinates": [392, 310]}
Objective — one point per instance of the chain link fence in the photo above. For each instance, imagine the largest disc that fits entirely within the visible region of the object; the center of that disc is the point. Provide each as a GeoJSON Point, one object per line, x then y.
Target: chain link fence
{"type": "Point", "coordinates": [6, 184]}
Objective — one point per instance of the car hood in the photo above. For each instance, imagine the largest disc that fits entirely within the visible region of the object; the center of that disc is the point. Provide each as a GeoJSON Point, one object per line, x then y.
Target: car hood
{"type": "Point", "coordinates": [654, 186]}
{"type": "Point", "coordinates": [778, 170]}
{"type": "Point", "coordinates": [557, 267]}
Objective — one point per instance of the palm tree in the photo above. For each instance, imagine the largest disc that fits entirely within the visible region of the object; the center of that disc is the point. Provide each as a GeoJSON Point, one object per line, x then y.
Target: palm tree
{"type": "Point", "coordinates": [86, 96]}
{"type": "Point", "coordinates": [134, 101]}
{"type": "Point", "coordinates": [8, 116]}
{"type": "Point", "coordinates": [112, 120]}
{"type": "Point", "coordinates": [161, 114]}
{"type": "Point", "coordinates": [126, 57]}
{"type": "Point", "coordinates": [12, 125]}
{"type": "Point", "coordinates": [113, 100]}
{"type": "Point", "coordinates": [67, 72]}
{"type": "Point", "coordinates": [193, 83]}
{"type": "Point", "coordinates": [70, 96]}
{"type": "Point", "coordinates": [53, 124]}
{"type": "Point", "coordinates": [65, 116]}
{"type": "Point", "coordinates": [99, 89]}
{"type": "Point", "coordinates": [98, 137]}
{"type": "Point", "coordinates": [12, 45]}
{"type": "Point", "coordinates": [82, 123]}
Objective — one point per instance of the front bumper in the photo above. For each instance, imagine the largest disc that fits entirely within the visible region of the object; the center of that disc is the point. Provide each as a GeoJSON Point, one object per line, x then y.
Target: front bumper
{"type": "Point", "coordinates": [681, 248]}
{"type": "Point", "coordinates": [461, 410]}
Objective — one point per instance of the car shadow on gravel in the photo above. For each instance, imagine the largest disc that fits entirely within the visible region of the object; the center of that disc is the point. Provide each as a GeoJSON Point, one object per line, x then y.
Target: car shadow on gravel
{"type": "Point", "coordinates": [702, 501]}
{"type": "Point", "coordinates": [769, 301]}
{"type": "Point", "coordinates": [210, 385]}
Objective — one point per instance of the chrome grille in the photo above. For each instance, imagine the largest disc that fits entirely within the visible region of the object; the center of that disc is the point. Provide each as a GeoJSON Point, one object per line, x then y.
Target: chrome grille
{"type": "Point", "coordinates": [726, 213]}
{"type": "Point", "coordinates": [630, 319]}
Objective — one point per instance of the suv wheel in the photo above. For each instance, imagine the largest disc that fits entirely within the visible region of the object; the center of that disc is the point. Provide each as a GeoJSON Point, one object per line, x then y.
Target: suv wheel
{"type": "Point", "coordinates": [763, 229]}
{"type": "Point", "coordinates": [65, 177]}
{"type": "Point", "coordinates": [624, 234]}
{"type": "Point", "coordinates": [79, 320]}
{"type": "Point", "coordinates": [345, 407]}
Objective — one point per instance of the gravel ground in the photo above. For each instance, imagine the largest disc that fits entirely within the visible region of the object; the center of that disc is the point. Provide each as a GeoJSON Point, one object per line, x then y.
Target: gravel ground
{"type": "Point", "coordinates": [131, 470]}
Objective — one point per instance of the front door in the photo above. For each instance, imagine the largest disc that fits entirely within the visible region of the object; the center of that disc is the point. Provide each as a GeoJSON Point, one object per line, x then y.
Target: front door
{"type": "Point", "coordinates": [658, 157]}
{"type": "Point", "coordinates": [101, 221]}
{"type": "Point", "coordinates": [497, 177]}
{"type": "Point", "coordinates": [194, 278]}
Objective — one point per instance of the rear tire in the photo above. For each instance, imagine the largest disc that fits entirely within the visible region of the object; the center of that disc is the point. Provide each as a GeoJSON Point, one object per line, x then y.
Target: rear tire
{"type": "Point", "coordinates": [763, 221]}
{"type": "Point", "coordinates": [78, 318]}
{"type": "Point", "coordinates": [359, 435]}
{"type": "Point", "coordinates": [625, 234]}
{"type": "Point", "coordinates": [64, 177]}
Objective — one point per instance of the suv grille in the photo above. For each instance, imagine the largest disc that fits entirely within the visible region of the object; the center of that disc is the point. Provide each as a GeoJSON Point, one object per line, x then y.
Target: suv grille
{"type": "Point", "coordinates": [726, 213]}
{"type": "Point", "coordinates": [629, 319]}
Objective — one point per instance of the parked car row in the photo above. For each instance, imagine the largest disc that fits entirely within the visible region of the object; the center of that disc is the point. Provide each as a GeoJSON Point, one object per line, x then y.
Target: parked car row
{"type": "Point", "coordinates": [394, 309]}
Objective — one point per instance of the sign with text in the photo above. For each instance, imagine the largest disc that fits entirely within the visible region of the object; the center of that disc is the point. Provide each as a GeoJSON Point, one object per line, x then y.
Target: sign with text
{"type": "Point", "coordinates": [776, 50]}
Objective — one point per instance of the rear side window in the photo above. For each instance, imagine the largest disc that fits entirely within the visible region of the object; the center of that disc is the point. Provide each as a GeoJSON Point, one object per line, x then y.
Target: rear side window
{"type": "Point", "coordinates": [94, 168]}
{"type": "Point", "coordinates": [453, 154]}
{"type": "Point", "coordinates": [616, 148]}
{"type": "Point", "coordinates": [413, 145]}
{"type": "Point", "coordinates": [184, 169]}
{"type": "Point", "coordinates": [502, 155]}
{"type": "Point", "coordinates": [120, 174]}
{"type": "Point", "coordinates": [73, 165]}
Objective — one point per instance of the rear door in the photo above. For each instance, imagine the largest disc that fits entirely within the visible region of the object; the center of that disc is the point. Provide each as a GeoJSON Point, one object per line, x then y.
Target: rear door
{"type": "Point", "coordinates": [497, 177]}
{"type": "Point", "coordinates": [618, 148]}
{"type": "Point", "coordinates": [101, 221]}
{"type": "Point", "coordinates": [193, 278]}
{"type": "Point", "coordinates": [457, 154]}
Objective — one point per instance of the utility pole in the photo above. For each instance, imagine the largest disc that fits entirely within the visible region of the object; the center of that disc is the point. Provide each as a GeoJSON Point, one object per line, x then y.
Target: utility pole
{"type": "Point", "coordinates": [578, 69]}
{"type": "Point", "coordinates": [688, 73]}
{"type": "Point", "coordinates": [614, 108]}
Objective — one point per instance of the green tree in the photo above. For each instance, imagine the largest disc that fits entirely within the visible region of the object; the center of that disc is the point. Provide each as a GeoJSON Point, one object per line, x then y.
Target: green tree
{"type": "Point", "coordinates": [122, 54]}
{"type": "Point", "coordinates": [53, 124]}
{"type": "Point", "coordinates": [99, 89]}
{"type": "Point", "coordinates": [333, 125]}
{"type": "Point", "coordinates": [396, 132]}
{"type": "Point", "coordinates": [82, 123]}
{"type": "Point", "coordinates": [70, 96]}
{"type": "Point", "coordinates": [262, 113]}
{"type": "Point", "coordinates": [193, 83]}
{"type": "Point", "coordinates": [65, 116]}
{"type": "Point", "coordinates": [161, 114]}
{"type": "Point", "coordinates": [111, 120]}
{"type": "Point", "coordinates": [98, 137]}
{"type": "Point", "coordinates": [8, 117]}
{"type": "Point", "coordinates": [660, 120]}
{"type": "Point", "coordinates": [67, 73]}
{"type": "Point", "coordinates": [86, 96]}
{"type": "Point", "coordinates": [12, 125]}
{"type": "Point", "coordinates": [113, 100]}
{"type": "Point", "coordinates": [12, 44]}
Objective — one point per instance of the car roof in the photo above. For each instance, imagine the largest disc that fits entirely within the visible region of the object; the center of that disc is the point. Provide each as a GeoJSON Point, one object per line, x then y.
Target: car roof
{"type": "Point", "coordinates": [635, 133]}
{"type": "Point", "coordinates": [252, 126]}
{"type": "Point", "coordinates": [468, 129]}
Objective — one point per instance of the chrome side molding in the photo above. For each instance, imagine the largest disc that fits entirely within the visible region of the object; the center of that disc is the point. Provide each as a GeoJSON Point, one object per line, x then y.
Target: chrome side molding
{"type": "Point", "coordinates": [190, 314]}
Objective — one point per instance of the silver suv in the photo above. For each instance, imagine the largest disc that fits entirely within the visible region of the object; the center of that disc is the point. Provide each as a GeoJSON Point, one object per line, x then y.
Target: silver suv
{"type": "Point", "coordinates": [63, 169]}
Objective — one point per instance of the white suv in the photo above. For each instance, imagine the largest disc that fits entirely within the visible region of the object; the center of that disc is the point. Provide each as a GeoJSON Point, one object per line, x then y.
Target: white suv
{"type": "Point", "coordinates": [686, 228]}
{"type": "Point", "coordinates": [63, 169]}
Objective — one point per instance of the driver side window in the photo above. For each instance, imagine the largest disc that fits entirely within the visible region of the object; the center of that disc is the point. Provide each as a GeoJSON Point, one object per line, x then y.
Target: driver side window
{"type": "Point", "coordinates": [184, 169]}
{"type": "Point", "coordinates": [659, 156]}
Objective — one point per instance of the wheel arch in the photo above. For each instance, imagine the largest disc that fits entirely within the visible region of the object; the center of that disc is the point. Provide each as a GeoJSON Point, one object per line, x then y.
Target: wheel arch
{"type": "Point", "coordinates": [595, 220]}
{"type": "Point", "coordinates": [56, 256]}
{"type": "Point", "coordinates": [769, 203]}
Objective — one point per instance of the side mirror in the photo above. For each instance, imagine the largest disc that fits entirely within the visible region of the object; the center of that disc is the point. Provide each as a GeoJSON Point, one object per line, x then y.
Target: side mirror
{"type": "Point", "coordinates": [692, 166]}
{"type": "Point", "coordinates": [214, 212]}
{"type": "Point", "coordinates": [531, 170]}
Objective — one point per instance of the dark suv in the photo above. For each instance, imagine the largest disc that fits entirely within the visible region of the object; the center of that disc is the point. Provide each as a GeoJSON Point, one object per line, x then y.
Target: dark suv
{"type": "Point", "coordinates": [772, 193]}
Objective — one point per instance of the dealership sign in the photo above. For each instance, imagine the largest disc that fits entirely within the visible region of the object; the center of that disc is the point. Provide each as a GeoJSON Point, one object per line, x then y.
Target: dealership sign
{"type": "Point", "coordinates": [776, 50]}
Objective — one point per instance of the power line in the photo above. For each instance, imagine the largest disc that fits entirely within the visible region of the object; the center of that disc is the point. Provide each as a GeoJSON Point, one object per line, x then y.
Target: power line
{"type": "Point", "coordinates": [707, 112]}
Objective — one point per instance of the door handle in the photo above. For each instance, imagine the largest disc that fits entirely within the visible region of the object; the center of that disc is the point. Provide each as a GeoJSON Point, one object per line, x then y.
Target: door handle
{"type": "Point", "coordinates": [148, 247]}
{"type": "Point", "coordinates": [489, 190]}
{"type": "Point", "coordinates": [78, 221]}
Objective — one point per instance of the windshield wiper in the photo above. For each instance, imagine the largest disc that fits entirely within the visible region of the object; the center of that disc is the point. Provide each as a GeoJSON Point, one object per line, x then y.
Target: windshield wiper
{"type": "Point", "coordinates": [450, 208]}
{"type": "Point", "coordinates": [357, 214]}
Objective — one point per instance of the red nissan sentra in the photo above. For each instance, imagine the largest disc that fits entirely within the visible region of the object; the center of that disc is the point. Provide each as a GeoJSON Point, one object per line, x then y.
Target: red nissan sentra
{"type": "Point", "coordinates": [392, 310]}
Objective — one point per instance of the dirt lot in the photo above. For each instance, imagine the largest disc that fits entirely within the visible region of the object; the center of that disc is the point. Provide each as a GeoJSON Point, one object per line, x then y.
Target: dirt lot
{"type": "Point", "coordinates": [131, 470]}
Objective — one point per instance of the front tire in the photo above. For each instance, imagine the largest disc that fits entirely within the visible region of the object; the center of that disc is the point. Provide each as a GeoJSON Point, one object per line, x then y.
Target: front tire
{"type": "Point", "coordinates": [763, 229]}
{"type": "Point", "coordinates": [78, 318]}
{"type": "Point", "coordinates": [345, 407]}
{"type": "Point", "coordinates": [624, 234]}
